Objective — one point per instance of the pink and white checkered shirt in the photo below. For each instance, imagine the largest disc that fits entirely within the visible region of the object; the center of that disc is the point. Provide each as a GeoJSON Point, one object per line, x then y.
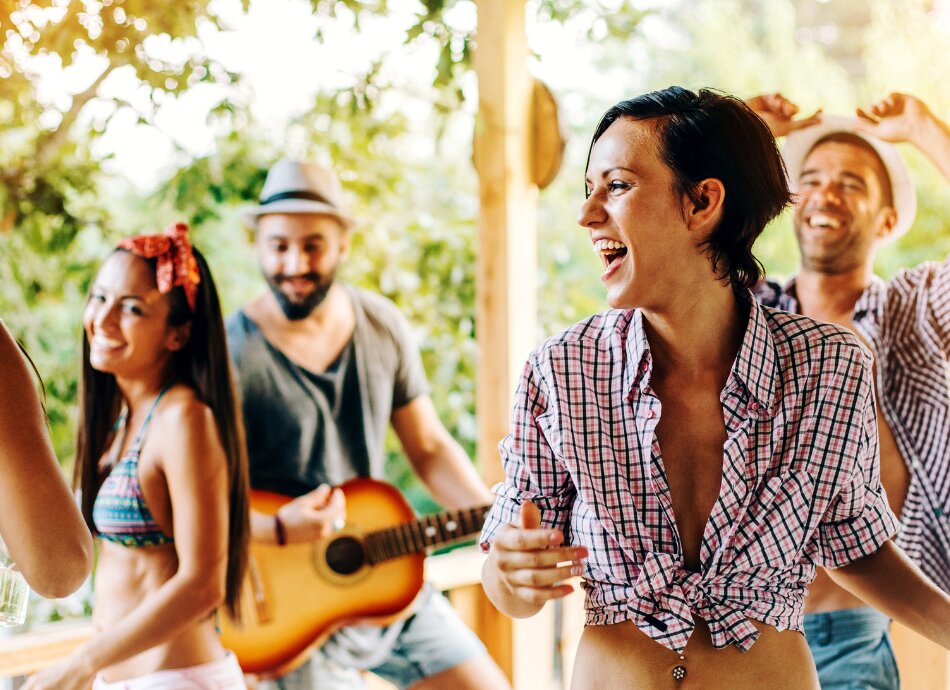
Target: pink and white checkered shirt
{"type": "Point", "coordinates": [906, 322]}
{"type": "Point", "coordinates": [801, 478]}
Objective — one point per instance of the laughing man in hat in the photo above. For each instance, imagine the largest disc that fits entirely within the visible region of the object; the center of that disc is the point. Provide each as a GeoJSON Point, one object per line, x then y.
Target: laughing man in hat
{"type": "Point", "coordinates": [854, 193]}
{"type": "Point", "coordinates": [324, 368]}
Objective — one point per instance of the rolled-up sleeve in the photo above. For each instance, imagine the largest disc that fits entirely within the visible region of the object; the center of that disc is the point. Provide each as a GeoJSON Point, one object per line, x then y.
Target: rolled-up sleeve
{"type": "Point", "coordinates": [858, 520]}
{"type": "Point", "coordinates": [532, 470]}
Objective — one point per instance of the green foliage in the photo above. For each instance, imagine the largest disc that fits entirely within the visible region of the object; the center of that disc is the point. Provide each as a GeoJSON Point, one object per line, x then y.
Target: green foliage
{"type": "Point", "coordinates": [415, 194]}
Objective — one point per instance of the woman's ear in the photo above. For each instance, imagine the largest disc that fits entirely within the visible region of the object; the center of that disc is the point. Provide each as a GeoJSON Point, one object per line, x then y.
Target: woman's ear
{"type": "Point", "coordinates": [705, 209]}
{"type": "Point", "coordinates": [178, 337]}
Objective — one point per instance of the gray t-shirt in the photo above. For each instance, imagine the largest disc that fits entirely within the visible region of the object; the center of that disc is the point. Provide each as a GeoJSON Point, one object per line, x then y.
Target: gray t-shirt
{"type": "Point", "coordinates": [305, 428]}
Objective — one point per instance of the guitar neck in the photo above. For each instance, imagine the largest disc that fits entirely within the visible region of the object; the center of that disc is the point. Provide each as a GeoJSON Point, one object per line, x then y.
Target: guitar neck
{"type": "Point", "coordinates": [423, 534]}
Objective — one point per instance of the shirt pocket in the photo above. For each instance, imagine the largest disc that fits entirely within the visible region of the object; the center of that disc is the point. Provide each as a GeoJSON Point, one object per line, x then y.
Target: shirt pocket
{"type": "Point", "coordinates": [774, 529]}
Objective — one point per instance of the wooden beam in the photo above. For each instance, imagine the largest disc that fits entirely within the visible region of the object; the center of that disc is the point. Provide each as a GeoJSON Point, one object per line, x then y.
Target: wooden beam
{"type": "Point", "coordinates": [506, 304]}
{"type": "Point", "coordinates": [506, 284]}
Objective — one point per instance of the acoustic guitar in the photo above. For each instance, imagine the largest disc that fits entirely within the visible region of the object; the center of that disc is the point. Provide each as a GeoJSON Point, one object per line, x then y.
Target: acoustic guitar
{"type": "Point", "coordinates": [296, 596]}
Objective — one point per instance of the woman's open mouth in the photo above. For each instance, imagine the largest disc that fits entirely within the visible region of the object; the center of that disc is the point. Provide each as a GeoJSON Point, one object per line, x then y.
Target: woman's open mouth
{"type": "Point", "coordinates": [611, 253]}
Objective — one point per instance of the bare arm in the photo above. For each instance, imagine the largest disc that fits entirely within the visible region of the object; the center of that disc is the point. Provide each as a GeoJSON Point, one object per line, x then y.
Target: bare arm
{"type": "Point", "coordinates": [195, 470]}
{"type": "Point", "coordinates": [436, 457]}
{"type": "Point", "coordinates": [901, 117]}
{"type": "Point", "coordinates": [890, 582]}
{"type": "Point", "coordinates": [39, 521]}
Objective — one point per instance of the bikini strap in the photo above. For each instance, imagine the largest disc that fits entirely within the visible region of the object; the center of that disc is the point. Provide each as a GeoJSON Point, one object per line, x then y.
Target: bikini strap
{"type": "Point", "coordinates": [139, 437]}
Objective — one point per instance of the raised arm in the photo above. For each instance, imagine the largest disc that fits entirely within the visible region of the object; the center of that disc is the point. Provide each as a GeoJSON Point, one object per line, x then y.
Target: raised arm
{"type": "Point", "coordinates": [901, 117]}
{"type": "Point", "coordinates": [39, 520]}
{"type": "Point", "coordinates": [779, 114]}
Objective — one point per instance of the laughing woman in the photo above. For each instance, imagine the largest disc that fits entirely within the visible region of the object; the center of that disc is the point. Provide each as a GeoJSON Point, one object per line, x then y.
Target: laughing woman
{"type": "Point", "coordinates": [689, 453]}
{"type": "Point", "coordinates": [161, 465]}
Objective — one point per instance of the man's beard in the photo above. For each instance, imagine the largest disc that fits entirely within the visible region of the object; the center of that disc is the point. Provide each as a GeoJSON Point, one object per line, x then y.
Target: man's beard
{"type": "Point", "coordinates": [296, 310]}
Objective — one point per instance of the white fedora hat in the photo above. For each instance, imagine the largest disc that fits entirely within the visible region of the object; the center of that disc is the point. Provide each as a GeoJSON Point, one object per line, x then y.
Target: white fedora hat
{"type": "Point", "coordinates": [799, 144]}
{"type": "Point", "coordinates": [298, 187]}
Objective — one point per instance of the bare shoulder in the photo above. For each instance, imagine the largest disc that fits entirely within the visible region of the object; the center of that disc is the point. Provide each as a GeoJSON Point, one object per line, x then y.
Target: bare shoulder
{"type": "Point", "coordinates": [182, 406]}
{"type": "Point", "coordinates": [182, 415]}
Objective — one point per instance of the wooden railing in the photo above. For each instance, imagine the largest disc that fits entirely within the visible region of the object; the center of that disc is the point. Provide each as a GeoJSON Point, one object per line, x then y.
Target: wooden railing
{"type": "Point", "coordinates": [540, 653]}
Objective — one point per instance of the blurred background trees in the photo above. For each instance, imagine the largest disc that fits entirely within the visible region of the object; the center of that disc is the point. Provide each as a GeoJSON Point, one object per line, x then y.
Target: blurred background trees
{"type": "Point", "coordinates": [117, 116]}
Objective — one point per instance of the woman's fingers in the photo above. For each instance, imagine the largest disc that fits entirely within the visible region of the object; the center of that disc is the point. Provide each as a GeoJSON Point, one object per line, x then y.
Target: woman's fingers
{"type": "Point", "coordinates": [538, 596]}
{"type": "Point", "coordinates": [542, 578]}
{"type": "Point", "coordinates": [539, 560]}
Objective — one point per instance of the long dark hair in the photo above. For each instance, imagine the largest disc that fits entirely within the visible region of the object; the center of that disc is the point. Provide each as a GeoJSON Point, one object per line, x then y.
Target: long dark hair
{"type": "Point", "coordinates": [203, 364]}
{"type": "Point", "coordinates": [711, 135]}
{"type": "Point", "coordinates": [39, 378]}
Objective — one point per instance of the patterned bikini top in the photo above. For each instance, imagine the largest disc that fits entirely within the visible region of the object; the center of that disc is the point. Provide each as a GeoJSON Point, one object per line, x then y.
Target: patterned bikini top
{"type": "Point", "coordinates": [120, 513]}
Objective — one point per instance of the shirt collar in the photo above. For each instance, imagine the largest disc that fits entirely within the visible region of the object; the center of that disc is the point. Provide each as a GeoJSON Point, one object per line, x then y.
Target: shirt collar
{"type": "Point", "coordinates": [871, 300]}
{"type": "Point", "coordinates": [639, 361]}
{"type": "Point", "coordinates": [755, 365]}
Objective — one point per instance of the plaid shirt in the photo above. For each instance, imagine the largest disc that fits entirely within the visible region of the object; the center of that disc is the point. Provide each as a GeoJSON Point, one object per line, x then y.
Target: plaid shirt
{"type": "Point", "coordinates": [906, 322]}
{"type": "Point", "coordinates": [801, 478]}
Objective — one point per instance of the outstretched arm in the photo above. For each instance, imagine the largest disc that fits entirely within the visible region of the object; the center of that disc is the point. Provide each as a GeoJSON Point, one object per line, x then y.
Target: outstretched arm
{"type": "Point", "coordinates": [39, 521]}
{"type": "Point", "coordinates": [436, 457]}
{"type": "Point", "coordinates": [779, 114]}
{"type": "Point", "coordinates": [901, 117]}
{"type": "Point", "coordinates": [890, 582]}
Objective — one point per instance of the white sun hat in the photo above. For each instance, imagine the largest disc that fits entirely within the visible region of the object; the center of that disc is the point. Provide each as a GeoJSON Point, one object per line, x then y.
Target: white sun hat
{"type": "Point", "coordinates": [298, 187]}
{"type": "Point", "coordinates": [799, 144]}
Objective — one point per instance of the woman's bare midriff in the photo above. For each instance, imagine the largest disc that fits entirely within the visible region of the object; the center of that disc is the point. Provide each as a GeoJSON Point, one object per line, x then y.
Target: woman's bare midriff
{"type": "Point", "coordinates": [621, 657]}
{"type": "Point", "coordinates": [125, 578]}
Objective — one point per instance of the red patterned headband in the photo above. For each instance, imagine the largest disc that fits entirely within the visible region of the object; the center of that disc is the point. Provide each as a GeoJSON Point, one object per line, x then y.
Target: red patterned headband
{"type": "Point", "coordinates": [176, 260]}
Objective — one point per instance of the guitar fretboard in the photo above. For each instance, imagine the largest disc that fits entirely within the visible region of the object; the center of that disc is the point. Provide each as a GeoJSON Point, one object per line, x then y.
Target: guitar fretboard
{"type": "Point", "coordinates": [423, 534]}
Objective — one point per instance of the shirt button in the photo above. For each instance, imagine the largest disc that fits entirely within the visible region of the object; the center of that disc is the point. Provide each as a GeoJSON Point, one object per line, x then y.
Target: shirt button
{"type": "Point", "coordinates": [754, 406]}
{"type": "Point", "coordinates": [644, 367]}
{"type": "Point", "coordinates": [649, 414]}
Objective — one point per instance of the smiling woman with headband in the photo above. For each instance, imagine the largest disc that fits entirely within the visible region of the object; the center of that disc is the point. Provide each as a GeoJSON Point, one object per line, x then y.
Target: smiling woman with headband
{"type": "Point", "coordinates": [161, 465]}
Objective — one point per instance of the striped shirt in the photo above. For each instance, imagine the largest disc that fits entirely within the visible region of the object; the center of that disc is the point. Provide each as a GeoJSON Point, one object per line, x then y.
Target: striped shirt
{"type": "Point", "coordinates": [906, 322]}
{"type": "Point", "coordinates": [801, 479]}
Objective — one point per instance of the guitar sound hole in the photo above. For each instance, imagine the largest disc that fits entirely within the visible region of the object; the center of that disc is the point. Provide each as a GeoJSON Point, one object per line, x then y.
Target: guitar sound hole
{"type": "Point", "coordinates": [345, 555]}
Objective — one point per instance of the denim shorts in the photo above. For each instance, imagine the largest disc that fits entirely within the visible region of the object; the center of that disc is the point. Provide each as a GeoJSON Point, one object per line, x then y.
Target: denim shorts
{"type": "Point", "coordinates": [432, 640]}
{"type": "Point", "coordinates": [852, 649]}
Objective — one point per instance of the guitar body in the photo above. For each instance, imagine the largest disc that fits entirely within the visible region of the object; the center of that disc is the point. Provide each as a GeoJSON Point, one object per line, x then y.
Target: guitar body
{"type": "Point", "coordinates": [296, 596]}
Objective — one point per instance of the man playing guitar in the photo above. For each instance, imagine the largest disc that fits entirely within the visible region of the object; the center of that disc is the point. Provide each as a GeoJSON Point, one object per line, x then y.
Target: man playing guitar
{"type": "Point", "coordinates": [323, 369]}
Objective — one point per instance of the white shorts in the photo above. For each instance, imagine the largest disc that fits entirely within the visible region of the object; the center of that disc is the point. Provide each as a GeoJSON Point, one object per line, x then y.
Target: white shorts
{"type": "Point", "coordinates": [217, 675]}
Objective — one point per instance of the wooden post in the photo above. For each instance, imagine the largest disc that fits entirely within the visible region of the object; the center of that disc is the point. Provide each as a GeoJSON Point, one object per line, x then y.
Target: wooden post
{"type": "Point", "coordinates": [506, 305]}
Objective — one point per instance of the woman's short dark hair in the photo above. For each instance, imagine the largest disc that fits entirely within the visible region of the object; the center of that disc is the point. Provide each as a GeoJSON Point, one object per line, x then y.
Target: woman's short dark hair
{"type": "Point", "coordinates": [713, 135]}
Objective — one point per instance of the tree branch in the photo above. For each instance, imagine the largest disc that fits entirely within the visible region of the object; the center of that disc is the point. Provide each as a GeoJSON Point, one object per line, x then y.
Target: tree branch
{"type": "Point", "coordinates": [48, 146]}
